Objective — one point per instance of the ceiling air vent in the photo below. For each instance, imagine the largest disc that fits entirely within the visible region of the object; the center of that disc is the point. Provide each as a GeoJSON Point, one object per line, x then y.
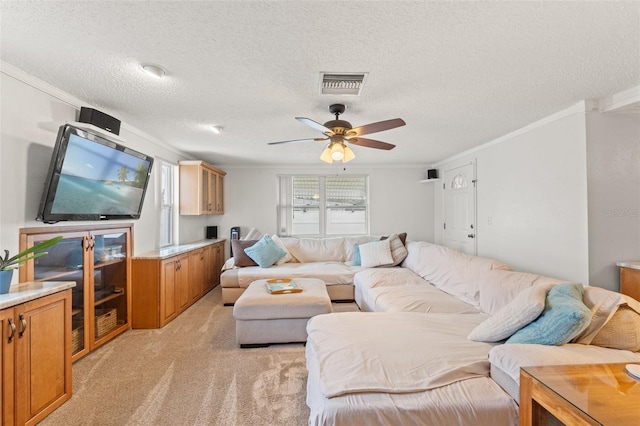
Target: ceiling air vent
{"type": "Point", "coordinates": [342, 83]}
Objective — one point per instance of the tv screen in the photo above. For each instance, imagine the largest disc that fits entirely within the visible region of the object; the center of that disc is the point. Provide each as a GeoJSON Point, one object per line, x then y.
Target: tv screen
{"type": "Point", "coordinates": [93, 178]}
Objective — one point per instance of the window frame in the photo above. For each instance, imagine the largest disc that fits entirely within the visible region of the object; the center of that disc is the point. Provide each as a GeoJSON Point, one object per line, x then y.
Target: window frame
{"type": "Point", "coordinates": [172, 206]}
{"type": "Point", "coordinates": [285, 205]}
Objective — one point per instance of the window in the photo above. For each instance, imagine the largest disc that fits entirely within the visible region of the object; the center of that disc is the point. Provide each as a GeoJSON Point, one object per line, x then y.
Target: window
{"type": "Point", "coordinates": [167, 203]}
{"type": "Point", "coordinates": [323, 205]}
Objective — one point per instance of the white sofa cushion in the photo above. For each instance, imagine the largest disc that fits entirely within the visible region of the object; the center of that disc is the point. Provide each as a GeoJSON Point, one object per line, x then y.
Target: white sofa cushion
{"type": "Point", "coordinates": [450, 270]}
{"type": "Point", "coordinates": [509, 358]}
{"type": "Point", "coordinates": [498, 287]}
{"type": "Point", "coordinates": [338, 249]}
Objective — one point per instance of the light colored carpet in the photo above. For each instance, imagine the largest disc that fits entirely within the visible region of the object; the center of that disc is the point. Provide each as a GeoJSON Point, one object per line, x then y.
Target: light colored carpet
{"type": "Point", "coordinates": [191, 372]}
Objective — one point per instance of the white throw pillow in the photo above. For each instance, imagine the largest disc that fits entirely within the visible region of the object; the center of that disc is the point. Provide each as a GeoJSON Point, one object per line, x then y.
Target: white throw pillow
{"type": "Point", "coordinates": [287, 257]}
{"type": "Point", "coordinates": [526, 307]}
{"type": "Point", "coordinates": [377, 253]}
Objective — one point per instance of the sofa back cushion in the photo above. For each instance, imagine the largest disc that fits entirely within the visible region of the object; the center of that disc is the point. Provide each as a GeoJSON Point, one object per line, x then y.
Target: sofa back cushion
{"type": "Point", "coordinates": [499, 287]}
{"type": "Point", "coordinates": [450, 270]}
{"type": "Point", "coordinates": [338, 249]}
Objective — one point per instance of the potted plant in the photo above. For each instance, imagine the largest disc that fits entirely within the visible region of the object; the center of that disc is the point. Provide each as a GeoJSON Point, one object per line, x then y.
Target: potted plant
{"type": "Point", "coordinates": [8, 264]}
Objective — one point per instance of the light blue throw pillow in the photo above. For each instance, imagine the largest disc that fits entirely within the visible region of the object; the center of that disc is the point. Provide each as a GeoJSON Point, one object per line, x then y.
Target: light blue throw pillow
{"type": "Point", "coordinates": [564, 317]}
{"type": "Point", "coordinates": [265, 252]}
{"type": "Point", "coordinates": [357, 261]}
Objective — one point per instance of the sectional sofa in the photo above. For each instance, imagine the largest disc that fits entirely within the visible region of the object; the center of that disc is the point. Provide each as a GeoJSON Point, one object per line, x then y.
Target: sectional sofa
{"type": "Point", "coordinates": [329, 259]}
{"type": "Point", "coordinates": [442, 335]}
{"type": "Point", "coordinates": [430, 347]}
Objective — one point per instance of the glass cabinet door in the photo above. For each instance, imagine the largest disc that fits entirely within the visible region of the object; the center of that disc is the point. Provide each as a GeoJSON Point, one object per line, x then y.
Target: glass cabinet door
{"type": "Point", "coordinates": [65, 261]}
{"type": "Point", "coordinates": [109, 282]}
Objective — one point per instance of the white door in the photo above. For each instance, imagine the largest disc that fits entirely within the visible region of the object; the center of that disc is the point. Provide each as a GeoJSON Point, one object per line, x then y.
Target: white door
{"type": "Point", "coordinates": [460, 208]}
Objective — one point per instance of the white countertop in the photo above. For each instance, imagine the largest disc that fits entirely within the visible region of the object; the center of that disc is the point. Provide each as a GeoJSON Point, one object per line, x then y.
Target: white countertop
{"type": "Point", "coordinates": [28, 291]}
{"type": "Point", "coordinates": [163, 253]}
{"type": "Point", "coordinates": [631, 265]}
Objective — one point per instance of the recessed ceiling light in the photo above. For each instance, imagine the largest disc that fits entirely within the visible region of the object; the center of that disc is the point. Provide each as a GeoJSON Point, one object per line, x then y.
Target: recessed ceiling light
{"type": "Point", "coordinates": [154, 70]}
{"type": "Point", "coordinates": [216, 129]}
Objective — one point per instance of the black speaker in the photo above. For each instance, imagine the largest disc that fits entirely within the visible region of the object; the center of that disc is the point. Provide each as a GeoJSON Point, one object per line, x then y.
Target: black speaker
{"type": "Point", "coordinates": [99, 119]}
{"type": "Point", "coordinates": [432, 174]}
{"type": "Point", "coordinates": [212, 232]}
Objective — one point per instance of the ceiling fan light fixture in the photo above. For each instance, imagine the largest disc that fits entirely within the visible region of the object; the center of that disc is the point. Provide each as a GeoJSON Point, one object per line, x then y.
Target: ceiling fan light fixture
{"type": "Point", "coordinates": [348, 154]}
{"type": "Point", "coordinates": [326, 155]}
{"type": "Point", "coordinates": [337, 151]}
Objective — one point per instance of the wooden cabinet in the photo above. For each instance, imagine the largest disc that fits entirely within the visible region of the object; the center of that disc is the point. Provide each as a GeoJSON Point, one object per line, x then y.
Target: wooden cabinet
{"type": "Point", "coordinates": [198, 264]}
{"type": "Point", "coordinates": [35, 358]}
{"type": "Point", "coordinates": [201, 188]}
{"type": "Point", "coordinates": [160, 290]}
{"type": "Point", "coordinates": [165, 285]}
{"type": "Point", "coordinates": [98, 259]}
{"type": "Point", "coordinates": [630, 279]}
{"type": "Point", "coordinates": [216, 256]}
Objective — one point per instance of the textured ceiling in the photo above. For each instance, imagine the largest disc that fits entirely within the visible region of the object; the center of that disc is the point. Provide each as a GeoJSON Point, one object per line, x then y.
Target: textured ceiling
{"type": "Point", "coordinates": [459, 73]}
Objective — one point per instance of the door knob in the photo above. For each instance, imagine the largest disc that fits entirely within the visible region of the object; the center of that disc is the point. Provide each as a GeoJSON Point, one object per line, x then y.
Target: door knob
{"type": "Point", "coordinates": [471, 235]}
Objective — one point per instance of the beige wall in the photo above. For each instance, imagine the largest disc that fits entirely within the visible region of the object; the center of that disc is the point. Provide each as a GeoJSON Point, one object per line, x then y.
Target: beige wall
{"type": "Point", "coordinates": [613, 164]}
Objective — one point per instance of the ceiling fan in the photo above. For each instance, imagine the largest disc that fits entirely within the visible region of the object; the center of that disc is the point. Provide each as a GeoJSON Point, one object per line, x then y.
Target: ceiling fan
{"type": "Point", "coordinates": [339, 133]}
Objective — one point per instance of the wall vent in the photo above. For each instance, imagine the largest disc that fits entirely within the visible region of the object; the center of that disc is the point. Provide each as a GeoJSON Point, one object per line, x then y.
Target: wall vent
{"type": "Point", "coordinates": [342, 83]}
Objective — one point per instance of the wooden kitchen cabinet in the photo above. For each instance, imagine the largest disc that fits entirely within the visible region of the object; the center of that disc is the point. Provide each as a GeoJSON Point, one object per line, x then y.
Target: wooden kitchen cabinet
{"type": "Point", "coordinates": [35, 358]}
{"type": "Point", "coordinates": [201, 188]}
{"type": "Point", "coordinates": [168, 281]}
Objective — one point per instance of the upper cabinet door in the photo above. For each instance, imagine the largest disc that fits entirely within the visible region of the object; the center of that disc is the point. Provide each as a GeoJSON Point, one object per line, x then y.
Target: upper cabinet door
{"type": "Point", "coordinates": [201, 188]}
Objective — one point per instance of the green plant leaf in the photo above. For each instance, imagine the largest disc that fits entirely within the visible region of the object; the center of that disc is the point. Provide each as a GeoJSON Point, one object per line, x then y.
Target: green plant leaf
{"type": "Point", "coordinates": [23, 256]}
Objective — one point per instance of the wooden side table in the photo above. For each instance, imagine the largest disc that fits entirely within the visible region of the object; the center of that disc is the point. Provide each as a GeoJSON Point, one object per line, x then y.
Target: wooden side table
{"type": "Point", "coordinates": [589, 394]}
{"type": "Point", "coordinates": [630, 279]}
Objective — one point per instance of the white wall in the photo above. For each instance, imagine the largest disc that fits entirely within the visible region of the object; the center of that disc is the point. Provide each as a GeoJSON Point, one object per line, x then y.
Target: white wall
{"type": "Point", "coordinates": [399, 203]}
{"type": "Point", "coordinates": [532, 187]}
{"type": "Point", "coordinates": [613, 162]}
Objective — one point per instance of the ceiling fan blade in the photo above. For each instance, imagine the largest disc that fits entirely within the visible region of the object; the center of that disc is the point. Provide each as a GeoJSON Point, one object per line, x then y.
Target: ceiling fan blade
{"type": "Point", "coordinates": [371, 143]}
{"type": "Point", "coordinates": [298, 140]}
{"type": "Point", "coordinates": [376, 127]}
{"type": "Point", "coordinates": [314, 124]}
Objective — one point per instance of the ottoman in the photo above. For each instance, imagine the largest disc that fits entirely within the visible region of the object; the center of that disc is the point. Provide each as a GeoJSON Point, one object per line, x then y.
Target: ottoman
{"type": "Point", "coordinates": [263, 318]}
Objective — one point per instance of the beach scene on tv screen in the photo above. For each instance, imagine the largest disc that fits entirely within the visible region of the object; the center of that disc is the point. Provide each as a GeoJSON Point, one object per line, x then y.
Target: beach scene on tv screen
{"type": "Point", "coordinates": [97, 179]}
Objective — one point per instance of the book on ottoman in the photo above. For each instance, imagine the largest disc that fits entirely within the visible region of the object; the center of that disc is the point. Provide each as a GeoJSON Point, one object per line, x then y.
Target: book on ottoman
{"type": "Point", "coordinates": [282, 286]}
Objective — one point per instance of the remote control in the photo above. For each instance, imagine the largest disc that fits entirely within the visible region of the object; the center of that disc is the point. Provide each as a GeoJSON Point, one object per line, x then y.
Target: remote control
{"type": "Point", "coordinates": [634, 370]}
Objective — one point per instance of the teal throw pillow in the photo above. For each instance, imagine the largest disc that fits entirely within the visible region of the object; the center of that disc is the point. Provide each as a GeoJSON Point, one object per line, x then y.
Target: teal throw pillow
{"type": "Point", "coordinates": [563, 318]}
{"type": "Point", "coordinates": [265, 252]}
{"type": "Point", "coordinates": [356, 255]}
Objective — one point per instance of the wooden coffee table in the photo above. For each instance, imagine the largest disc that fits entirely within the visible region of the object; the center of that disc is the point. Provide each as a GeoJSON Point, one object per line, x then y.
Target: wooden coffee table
{"type": "Point", "coordinates": [589, 394]}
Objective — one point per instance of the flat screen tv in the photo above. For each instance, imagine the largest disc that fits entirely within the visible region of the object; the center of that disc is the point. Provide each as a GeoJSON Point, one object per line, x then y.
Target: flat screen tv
{"type": "Point", "coordinates": [93, 178]}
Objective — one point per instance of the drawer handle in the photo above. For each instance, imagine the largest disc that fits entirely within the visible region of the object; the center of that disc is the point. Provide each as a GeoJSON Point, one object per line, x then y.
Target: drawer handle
{"type": "Point", "coordinates": [23, 322]}
{"type": "Point", "coordinates": [12, 325]}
